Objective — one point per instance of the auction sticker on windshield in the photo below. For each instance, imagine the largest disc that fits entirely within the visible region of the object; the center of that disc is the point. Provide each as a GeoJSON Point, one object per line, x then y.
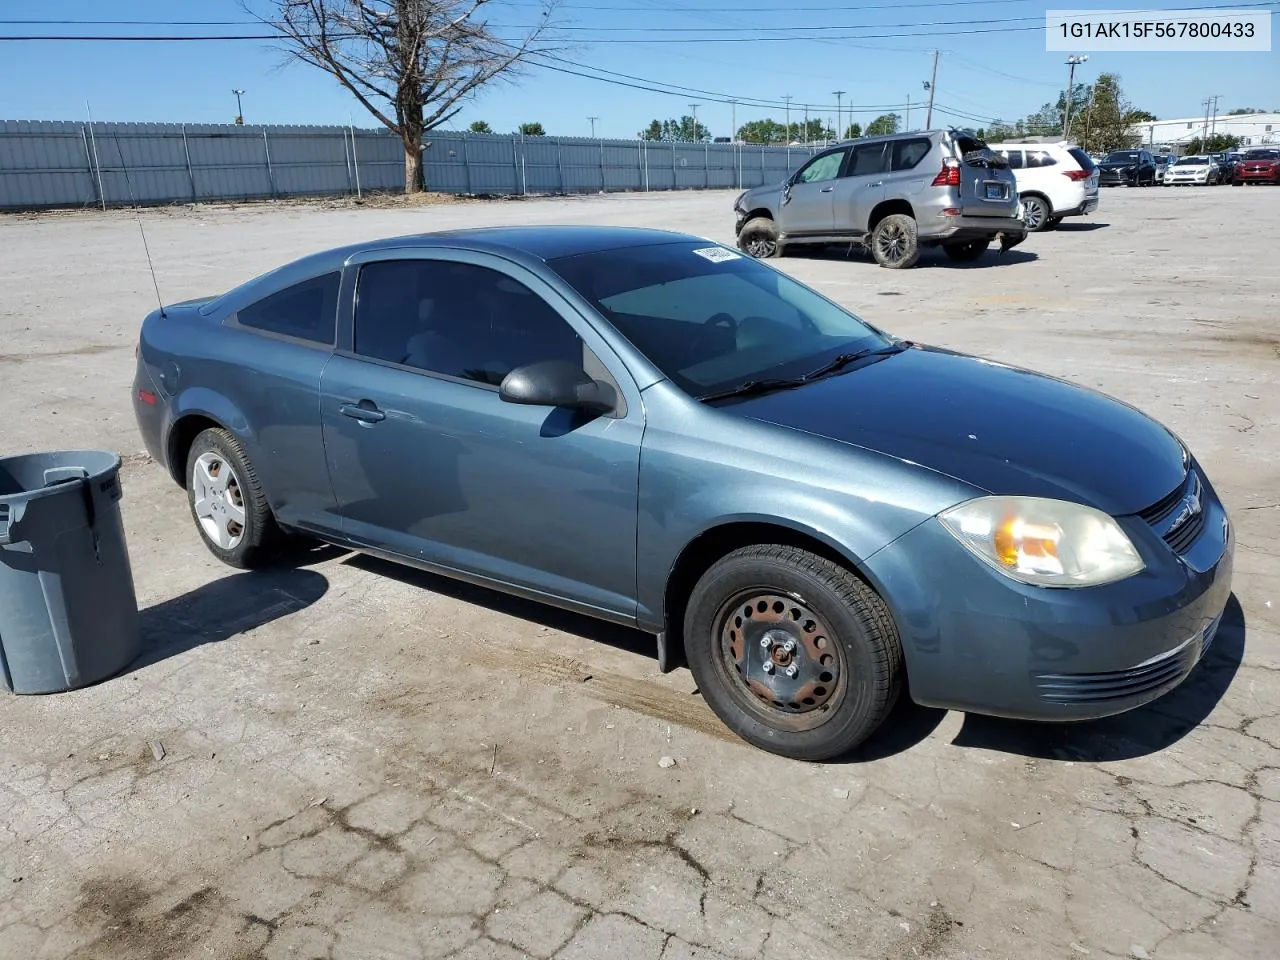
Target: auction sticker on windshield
{"type": "Point", "coordinates": [717, 254]}
{"type": "Point", "coordinates": [1187, 30]}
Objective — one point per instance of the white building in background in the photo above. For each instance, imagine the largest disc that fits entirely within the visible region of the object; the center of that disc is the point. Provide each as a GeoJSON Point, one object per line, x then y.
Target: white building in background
{"type": "Point", "coordinates": [1253, 129]}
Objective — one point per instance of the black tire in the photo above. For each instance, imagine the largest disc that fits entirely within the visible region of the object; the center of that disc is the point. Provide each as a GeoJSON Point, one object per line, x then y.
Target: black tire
{"type": "Point", "coordinates": [966, 252]}
{"type": "Point", "coordinates": [255, 541]}
{"type": "Point", "coordinates": [759, 238]}
{"type": "Point", "coordinates": [845, 649]}
{"type": "Point", "coordinates": [895, 243]}
{"type": "Point", "coordinates": [1036, 212]}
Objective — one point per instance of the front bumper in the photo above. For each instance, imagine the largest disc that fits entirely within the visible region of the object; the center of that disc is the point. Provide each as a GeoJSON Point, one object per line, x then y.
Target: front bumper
{"type": "Point", "coordinates": [977, 641]}
{"type": "Point", "coordinates": [1250, 176]}
{"type": "Point", "coordinates": [1196, 180]}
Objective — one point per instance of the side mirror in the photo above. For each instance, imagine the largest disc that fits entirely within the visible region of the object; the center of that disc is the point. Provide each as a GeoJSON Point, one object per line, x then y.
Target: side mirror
{"type": "Point", "coordinates": [557, 383]}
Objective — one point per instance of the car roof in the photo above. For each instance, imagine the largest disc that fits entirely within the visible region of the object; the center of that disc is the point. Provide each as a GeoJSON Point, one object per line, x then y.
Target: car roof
{"type": "Point", "coordinates": [543, 242]}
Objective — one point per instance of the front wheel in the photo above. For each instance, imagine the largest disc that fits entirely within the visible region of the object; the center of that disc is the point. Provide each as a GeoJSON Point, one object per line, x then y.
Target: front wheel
{"type": "Point", "coordinates": [227, 502]}
{"type": "Point", "coordinates": [966, 252]}
{"type": "Point", "coordinates": [759, 238]}
{"type": "Point", "coordinates": [895, 243]}
{"type": "Point", "coordinates": [793, 652]}
{"type": "Point", "coordinates": [1035, 212]}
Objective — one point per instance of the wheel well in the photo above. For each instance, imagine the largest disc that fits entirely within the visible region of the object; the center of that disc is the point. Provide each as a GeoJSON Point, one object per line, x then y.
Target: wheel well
{"type": "Point", "coordinates": [758, 213]}
{"type": "Point", "coordinates": [181, 437]}
{"type": "Point", "coordinates": [887, 208]}
{"type": "Point", "coordinates": [1040, 196]}
{"type": "Point", "coordinates": [710, 546]}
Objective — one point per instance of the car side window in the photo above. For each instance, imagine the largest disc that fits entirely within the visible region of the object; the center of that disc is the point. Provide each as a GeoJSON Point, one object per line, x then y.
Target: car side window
{"type": "Point", "coordinates": [1015, 159]}
{"type": "Point", "coordinates": [1040, 158]}
{"type": "Point", "coordinates": [825, 167]}
{"type": "Point", "coordinates": [908, 153]}
{"type": "Point", "coordinates": [868, 158]}
{"type": "Point", "coordinates": [456, 319]}
{"type": "Point", "coordinates": [306, 310]}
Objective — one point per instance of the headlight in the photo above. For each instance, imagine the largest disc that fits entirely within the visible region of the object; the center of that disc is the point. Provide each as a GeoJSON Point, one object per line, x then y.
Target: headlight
{"type": "Point", "coordinates": [1049, 543]}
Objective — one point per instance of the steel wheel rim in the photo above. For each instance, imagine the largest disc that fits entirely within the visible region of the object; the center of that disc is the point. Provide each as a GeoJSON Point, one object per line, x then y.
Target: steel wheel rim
{"type": "Point", "coordinates": [1035, 213]}
{"type": "Point", "coordinates": [891, 241]}
{"type": "Point", "coordinates": [218, 500]}
{"type": "Point", "coordinates": [780, 658]}
{"type": "Point", "coordinates": [760, 247]}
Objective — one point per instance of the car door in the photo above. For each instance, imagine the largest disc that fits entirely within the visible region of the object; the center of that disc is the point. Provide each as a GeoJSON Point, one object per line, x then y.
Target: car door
{"type": "Point", "coordinates": [862, 185]}
{"type": "Point", "coordinates": [807, 201]}
{"type": "Point", "coordinates": [429, 465]}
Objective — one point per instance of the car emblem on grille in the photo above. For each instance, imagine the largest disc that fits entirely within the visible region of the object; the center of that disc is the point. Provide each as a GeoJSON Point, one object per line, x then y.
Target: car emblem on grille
{"type": "Point", "coordinates": [1187, 508]}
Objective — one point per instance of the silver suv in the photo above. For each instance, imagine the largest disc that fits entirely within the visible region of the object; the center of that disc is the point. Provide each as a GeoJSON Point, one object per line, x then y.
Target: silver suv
{"type": "Point", "coordinates": [892, 194]}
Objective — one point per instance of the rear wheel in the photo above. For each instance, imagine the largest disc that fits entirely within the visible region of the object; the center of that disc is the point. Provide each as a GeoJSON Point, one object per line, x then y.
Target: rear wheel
{"type": "Point", "coordinates": [966, 252]}
{"type": "Point", "coordinates": [227, 502]}
{"type": "Point", "coordinates": [1036, 212]}
{"type": "Point", "coordinates": [759, 238]}
{"type": "Point", "coordinates": [895, 243]}
{"type": "Point", "coordinates": [793, 652]}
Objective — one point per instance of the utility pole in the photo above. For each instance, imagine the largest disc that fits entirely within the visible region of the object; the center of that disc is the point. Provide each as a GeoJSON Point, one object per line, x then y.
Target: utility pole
{"type": "Point", "coordinates": [908, 123]}
{"type": "Point", "coordinates": [734, 105]}
{"type": "Point", "coordinates": [787, 100]}
{"type": "Point", "coordinates": [694, 107]}
{"type": "Point", "coordinates": [839, 98]}
{"type": "Point", "coordinates": [593, 126]}
{"type": "Point", "coordinates": [1204, 131]}
{"type": "Point", "coordinates": [1071, 88]}
{"type": "Point", "coordinates": [933, 82]}
{"type": "Point", "coordinates": [239, 111]}
{"type": "Point", "coordinates": [1213, 124]}
{"type": "Point", "coordinates": [808, 141]}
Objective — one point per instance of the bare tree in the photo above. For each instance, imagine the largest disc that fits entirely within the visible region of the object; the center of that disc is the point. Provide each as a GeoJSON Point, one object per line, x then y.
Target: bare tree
{"type": "Point", "coordinates": [411, 63]}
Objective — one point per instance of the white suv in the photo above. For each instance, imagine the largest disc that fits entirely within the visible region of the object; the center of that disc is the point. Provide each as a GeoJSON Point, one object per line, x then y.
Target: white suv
{"type": "Point", "coordinates": [1055, 180]}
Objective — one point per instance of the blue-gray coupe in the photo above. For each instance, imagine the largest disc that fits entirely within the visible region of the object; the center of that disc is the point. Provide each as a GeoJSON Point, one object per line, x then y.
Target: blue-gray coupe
{"type": "Point", "coordinates": [653, 429]}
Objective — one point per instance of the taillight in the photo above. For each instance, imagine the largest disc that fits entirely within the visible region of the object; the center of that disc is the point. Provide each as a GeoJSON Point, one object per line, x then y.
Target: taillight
{"type": "Point", "coordinates": [1076, 174]}
{"type": "Point", "coordinates": [949, 176]}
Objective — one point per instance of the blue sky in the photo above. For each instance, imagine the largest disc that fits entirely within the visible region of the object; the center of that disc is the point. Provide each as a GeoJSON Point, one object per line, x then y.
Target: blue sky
{"type": "Point", "coordinates": [1003, 73]}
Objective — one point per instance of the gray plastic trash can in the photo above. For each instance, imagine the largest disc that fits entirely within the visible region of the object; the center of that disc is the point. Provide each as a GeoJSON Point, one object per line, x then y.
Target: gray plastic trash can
{"type": "Point", "coordinates": [68, 612]}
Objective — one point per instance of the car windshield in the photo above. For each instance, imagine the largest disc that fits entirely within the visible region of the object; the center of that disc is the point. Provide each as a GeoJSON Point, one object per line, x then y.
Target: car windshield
{"type": "Point", "coordinates": [1128, 156]}
{"type": "Point", "coordinates": [711, 319]}
{"type": "Point", "coordinates": [1192, 162]}
{"type": "Point", "coordinates": [1263, 155]}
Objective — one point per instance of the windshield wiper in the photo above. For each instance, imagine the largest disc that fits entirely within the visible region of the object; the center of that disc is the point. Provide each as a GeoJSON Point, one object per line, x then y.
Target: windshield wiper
{"type": "Point", "coordinates": [751, 387]}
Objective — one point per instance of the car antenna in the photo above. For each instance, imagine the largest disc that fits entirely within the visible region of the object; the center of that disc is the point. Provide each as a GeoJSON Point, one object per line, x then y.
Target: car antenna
{"type": "Point", "coordinates": [138, 219]}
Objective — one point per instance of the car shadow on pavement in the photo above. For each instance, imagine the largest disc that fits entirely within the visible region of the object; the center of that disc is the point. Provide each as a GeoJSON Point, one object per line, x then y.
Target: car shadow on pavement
{"type": "Point", "coordinates": [1140, 732]}
{"type": "Point", "coordinates": [1083, 227]}
{"type": "Point", "coordinates": [589, 628]}
{"type": "Point", "coordinates": [219, 610]}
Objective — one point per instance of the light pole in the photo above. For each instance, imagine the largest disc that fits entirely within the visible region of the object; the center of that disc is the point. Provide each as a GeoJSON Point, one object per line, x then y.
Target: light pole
{"type": "Point", "coordinates": [839, 97]}
{"type": "Point", "coordinates": [930, 85]}
{"type": "Point", "coordinates": [694, 107]}
{"type": "Point", "coordinates": [787, 100]}
{"type": "Point", "coordinates": [1072, 61]}
{"type": "Point", "coordinates": [593, 126]}
{"type": "Point", "coordinates": [239, 111]}
{"type": "Point", "coordinates": [733, 104]}
{"type": "Point", "coordinates": [908, 124]}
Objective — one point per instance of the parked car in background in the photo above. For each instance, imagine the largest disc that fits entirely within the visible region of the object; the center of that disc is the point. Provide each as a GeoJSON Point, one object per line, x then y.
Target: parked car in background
{"type": "Point", "coordinates": [893, 195]}
{"type": "Point", "coordinates": [1055, 180]}
{"type": "Point", "coordinates": [652, 429]}
{"type": "Point", "coordinates": [1133, 168]}
{"type": "Point", "coordinates": [1258, 166]}
{"type": "Point", "coordinates": [1194, 170]}
{"type": "Point", "coordinates": [1226, 165]}
{"type": "Point", "coordinates": [1163, 162]}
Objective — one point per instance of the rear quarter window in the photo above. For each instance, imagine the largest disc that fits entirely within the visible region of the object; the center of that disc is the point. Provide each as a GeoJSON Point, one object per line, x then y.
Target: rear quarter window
{"type": "Point", "coordinates": [1082, 158]}
{"type": "Point", "coordinates": [304, 311]}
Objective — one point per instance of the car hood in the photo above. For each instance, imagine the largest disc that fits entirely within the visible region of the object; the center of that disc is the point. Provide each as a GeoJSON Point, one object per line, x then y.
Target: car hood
{"type": "Point", "coordinates": [1118, 164]}
{"type": "Point", "coordinates": [1002, 429]}
{"type": "Point", "coordinates": [766, 196]}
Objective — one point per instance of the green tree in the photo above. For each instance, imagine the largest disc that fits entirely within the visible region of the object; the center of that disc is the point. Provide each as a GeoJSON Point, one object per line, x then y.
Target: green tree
{"type": "Point", "coordinates": [998, 132]}
{"type": "Point", "coordinates": [1214, 143]}
{"type": "Point", "coordinates": [853, 131]}
{"type": "Point", "coordinates": [480, 126]}
{"type": "Point", "coordinates": [1142, 116]}
{"type": "Point", "coordinates": [815, 130]}
{"type": "Point", "coordinates": [1244, 111]}
{"type": "Point", "coordinates": [884, 124]}
{"type": "Point", "coordinates": [652, 132]}
{"type": "Point", "coordinates": [684, 130]}
{"type": "Point", "coordinates": [762, 131]}
{"type": "Point", "coordinates": [531, 130]}
{"type": "Point", "coordinates": [1045, 122]}
{"type": "Point", "coordinates": [1108, 118]}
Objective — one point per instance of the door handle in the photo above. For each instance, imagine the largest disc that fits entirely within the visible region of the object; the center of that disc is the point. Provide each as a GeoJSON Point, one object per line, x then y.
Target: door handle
{"type": "Point", "coordinates": [366, 411]}
{"type": "Point", "coordinates": [827, 189]}
{"type": "Point", "coordinates": [878, 183]}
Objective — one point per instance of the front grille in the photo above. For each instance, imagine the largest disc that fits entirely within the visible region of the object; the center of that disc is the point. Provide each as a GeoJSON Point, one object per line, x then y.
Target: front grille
{"type": "Point", "coordinates": [1167, 670]}
{"type": "Point", "coordinates": [1178, 517]}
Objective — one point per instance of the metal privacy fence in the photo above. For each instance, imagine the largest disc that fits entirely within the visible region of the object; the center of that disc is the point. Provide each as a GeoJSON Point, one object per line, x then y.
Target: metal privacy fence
{"type": "Point", "coordinates": [65, 164]}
